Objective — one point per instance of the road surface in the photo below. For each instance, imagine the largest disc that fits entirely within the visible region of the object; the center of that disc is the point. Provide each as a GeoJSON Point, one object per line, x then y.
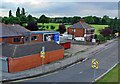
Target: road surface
{"type": "Point", "coordinates": [82, 72]}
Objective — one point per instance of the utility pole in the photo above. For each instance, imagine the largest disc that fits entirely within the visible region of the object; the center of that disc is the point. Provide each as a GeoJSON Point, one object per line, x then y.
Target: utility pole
{"type": "Point", "coordinates": [42, 55]}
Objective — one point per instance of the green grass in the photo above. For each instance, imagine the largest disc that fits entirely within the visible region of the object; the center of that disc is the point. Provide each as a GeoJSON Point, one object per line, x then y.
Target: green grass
{"type": "Point", "coordinates": [56, 25]}
{"type": "Point", "coordinates": [111, 76]}
{"type": "Point", "coordinates": [98, 27]}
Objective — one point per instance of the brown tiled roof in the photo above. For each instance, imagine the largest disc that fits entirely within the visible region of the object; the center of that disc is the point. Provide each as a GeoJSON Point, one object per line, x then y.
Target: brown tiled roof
{"type": "Point", "coordinates": [15, 51]}
{"type": "Point", "coordinates": [6, 31]}
{"type": "Point", "coordinates": [80, 25]}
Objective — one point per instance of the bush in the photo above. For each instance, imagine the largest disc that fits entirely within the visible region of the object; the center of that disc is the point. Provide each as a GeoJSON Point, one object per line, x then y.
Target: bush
{"type": "Point", "coordinates": [39, 26]}
{"type": "Point", "coordinates": [52, 27]}
{"type": "Point", "coordinates": [43, 26]}
{"type": "Point", "coordinates": [62, 29]}
{"type": "Point", "coordinates": [101, 38]}
{"type": "Point", "coordinates": [107, 37]}
{"type": "Point", "coordinates": [47, 27]}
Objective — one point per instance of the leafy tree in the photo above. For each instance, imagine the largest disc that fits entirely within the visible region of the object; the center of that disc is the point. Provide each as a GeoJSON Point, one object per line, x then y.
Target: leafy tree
{"type": "Point", "coordinates": [30, 18]}
{"type": "Point", "coordinates": [10, 13]}
{"type": "Point", "coordinates": [105, 20]}
{"type": "Point", "coordinates": [69, 20]}
{"type": "Point", "coordinates": [23, 11]}
{"type": "Point", "coordinates": [75, 19]}
{"type": "Point", "coordinates": [115, 25]}
{"type": "Point", "coordinates": [64, 19]}
{"type": "Point", "coordinates": [96, 20]}
{"type": "Point", "coordinates": [32, 26]}
{"type": "Point", "coordinates": [106, 32]}
{"type": "Point", "coordinates": [14, 20]}
{"type": "Point", "coordinates": [18, 12]}
{"type": "Point", "coordinates": [5, 20]}
{"type": "Point", "coordinates": [89, 19]}
{"type": "Point", "coordinates": [43, 19]}
{"type": "Point", "coordinates": [23, 19]}
{"type": "Point", "coordinates": [62, 29]}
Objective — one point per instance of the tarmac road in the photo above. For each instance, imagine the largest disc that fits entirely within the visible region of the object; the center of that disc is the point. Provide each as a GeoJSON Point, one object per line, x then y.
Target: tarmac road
{"type": "Point", "coordinates": [82, 72]}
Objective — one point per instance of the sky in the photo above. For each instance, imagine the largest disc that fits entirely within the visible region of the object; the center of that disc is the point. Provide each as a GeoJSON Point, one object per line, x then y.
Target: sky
{"type": "Point", "coordinates": [60, 8]}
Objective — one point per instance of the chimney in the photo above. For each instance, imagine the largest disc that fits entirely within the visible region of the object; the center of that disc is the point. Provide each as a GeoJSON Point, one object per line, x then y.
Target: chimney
{"type": "Point", "coordinates": [82, 20]}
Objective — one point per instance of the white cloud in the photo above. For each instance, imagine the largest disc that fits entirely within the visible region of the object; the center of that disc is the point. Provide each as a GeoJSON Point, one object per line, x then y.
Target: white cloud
{"type": "Point", "coordinates": [39, 7]}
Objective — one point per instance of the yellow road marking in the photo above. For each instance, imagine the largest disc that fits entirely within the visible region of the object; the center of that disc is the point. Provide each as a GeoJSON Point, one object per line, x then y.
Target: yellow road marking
{"type": "Point", "coordinates": [32, 78]}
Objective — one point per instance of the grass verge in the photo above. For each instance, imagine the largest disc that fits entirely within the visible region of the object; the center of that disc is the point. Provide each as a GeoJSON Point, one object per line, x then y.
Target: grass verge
{"type": "Point", "coordinates": [111, 77]}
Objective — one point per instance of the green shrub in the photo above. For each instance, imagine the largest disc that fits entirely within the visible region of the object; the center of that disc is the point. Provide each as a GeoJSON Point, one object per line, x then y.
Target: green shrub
{"type": "Point", "coordinates": [47, 27]}
{"type": "Point", "coordinates": [101, 38]}
{"type": "Point", "coordinates": [107, 37]}
{"type": "Point", "coordinates": [52, 27]}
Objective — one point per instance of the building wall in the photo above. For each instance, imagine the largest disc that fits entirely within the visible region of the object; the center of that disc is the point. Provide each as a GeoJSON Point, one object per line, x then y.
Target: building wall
{"type": "Point", "coordinates": [77, 33]}
{"type": "Point", "coordinates": [1, 40]}
{"type": "Point", "coordinates": [31, 61]}
{"type": "Point", "coordinates": [11, 40]}
{"type": "Point", "coordinates": [39, 38]}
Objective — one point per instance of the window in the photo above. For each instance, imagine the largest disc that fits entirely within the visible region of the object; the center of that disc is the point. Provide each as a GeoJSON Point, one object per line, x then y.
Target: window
{"type": "Point", "coordinates": [27, 38]}
{"type": "Point", "coordinates": [92, 31]}
{"type": "Point", "coordinates": [48, 37]}
{"type": "Point", "coordinates": [17, 39]}
{"type": "Point", "coordinates": [34, 37]}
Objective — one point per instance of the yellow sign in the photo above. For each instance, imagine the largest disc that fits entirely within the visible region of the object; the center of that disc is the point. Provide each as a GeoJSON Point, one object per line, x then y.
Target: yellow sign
{"type": "Point", "coordinates": [95, 64]}
{"type": "Point", "coordinates": [42, 54]}
{"type": "Point", "coordinates": [117, 34]}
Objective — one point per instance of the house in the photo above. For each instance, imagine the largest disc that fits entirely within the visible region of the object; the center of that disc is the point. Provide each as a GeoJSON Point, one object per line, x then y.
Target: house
{"type": "Point", "coordinates": [26, 56]}
{"type": "Point", "coordinates": [21, 57]}
{"type": "Point", "coordinates": [26, 36]}
{"type": "Point", "coordinates": [81, 31]}
{"type": "Point", "coordinates": [9, 35]}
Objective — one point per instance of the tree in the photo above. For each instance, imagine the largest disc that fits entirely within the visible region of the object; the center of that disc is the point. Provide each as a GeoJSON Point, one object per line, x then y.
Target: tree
{"type": "Point", "coordinates": [32, 26]}
{"type": "Point", "coordinates": [10, 13]}
{"type": "Point", "coordinates": [64, 20]}
{"type": "Point", "coordinates": [18, 12]}
{"type": "Point", "coordinates": [75, 19]}
{"type": "Point", "coordinates": [6, 20]}
{"type": "Point", "coordinates": [96, 20]}
{"type": "Point", "coordinates": [30, 18]}
{"type": "Point", "coordinates": [105, 20]}
{"type": "Point", "coordinates": [13, 20]}
{"type": "Point", "coordinates": [89, 19]}
{"type": "Point", "coordinates": [43, 19]}
{"type": "Point", "coordinates": [106, 32]}
{"type": "Point", "coordinates": [62, 29]}
{"type": "Point", "coordinates": [23, 19]}
{"type": "Point", "coordinates": [23, 11]}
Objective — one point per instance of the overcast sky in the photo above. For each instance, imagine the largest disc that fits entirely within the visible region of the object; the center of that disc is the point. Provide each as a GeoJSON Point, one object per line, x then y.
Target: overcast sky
{"type": "Point", "coordinates": [58, 8]}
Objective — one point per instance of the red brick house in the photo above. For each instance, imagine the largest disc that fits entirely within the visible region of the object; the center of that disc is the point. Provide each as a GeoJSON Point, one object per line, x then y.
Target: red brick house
{"type": "Point", "coordinates": [82, 30]}
{"type": "Point", "coordinates": [26, 56]}
{"type": "Point", "coordinates": [8, 34]}
{"type": "Point", "coordinates": [16, 34]}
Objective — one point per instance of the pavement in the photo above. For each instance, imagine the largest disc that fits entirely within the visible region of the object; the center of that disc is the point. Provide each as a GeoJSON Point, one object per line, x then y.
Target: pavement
{"type": "Point", "coordinates": [77, 48]}
{"type": "Point", "coordinates": [55, 65]}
